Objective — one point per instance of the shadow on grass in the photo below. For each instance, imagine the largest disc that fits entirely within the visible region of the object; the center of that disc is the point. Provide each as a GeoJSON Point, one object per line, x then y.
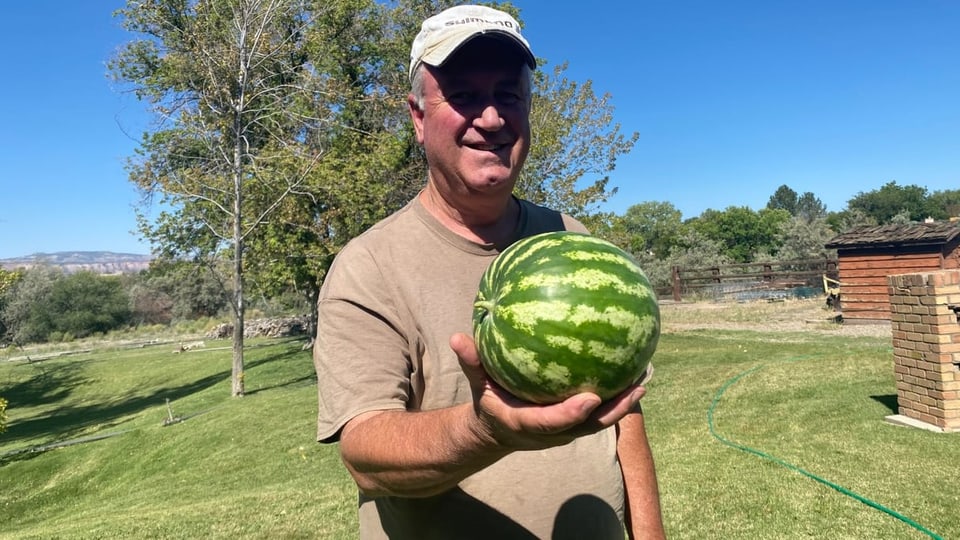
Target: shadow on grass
{"type": "Point", "coordinates": [889, 401]}
{"type": "Point", "coordinates": [68, 421]}
{"type": "Point", "coordinates": [49, 384]}
{"type": "Point", "coordinates": [301, 381]}
{"type": "Point", "coordinates": [54, 384]}
{"type": "Point", "coordinates": [294, 379]}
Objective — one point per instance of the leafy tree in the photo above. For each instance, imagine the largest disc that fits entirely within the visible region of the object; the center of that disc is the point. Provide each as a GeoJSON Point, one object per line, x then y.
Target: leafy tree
{"type": "Point", "coordinates": [652, 228]}
{"type": "Point", "coordinates": [176, 290]}
{"type": "Point", "coordinates": [890, 200]}
{"type": "Point", "coordinates": [945, 204]}
{"type": "Point", "coordinates": [784, 198]}
{"type": "Point", "coordinates": [810, 208]}
{"type": "Point", "coordinates": [693, 249]}
{"type": "Point", "coordinates": [742, 232]}
{"type": "Point", "coordinates": [231, 81]}
{"type": "Point", "coordinates": [26, 315]}
{"type": "Point", "coordinates": [807, 205]}
{"type": "Point", "coordinates": [802, 238]}
{"type": "Point", "coordinates": [85, 303]}
{"type": "Point", "coordinates": [47, 303]}
{"type": "Point", "coordinates": [372, 164]}
{"type": "Point", "coordinates": [352, 56]}
{"type": "Point", "coordinates": [575, 146]}
{"type": "Point", "coordinates": [8, 278]}
{"type": "Point", "coordinates": [843, 221]}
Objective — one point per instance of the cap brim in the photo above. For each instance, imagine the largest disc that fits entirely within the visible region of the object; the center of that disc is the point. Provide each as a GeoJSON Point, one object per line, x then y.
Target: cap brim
{"type": "Point", "coordinates": [438, 54]}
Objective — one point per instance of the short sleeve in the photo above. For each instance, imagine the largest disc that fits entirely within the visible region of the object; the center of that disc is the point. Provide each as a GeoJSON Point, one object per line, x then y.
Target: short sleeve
{"type": "Point", "coordinates": [360, 349]}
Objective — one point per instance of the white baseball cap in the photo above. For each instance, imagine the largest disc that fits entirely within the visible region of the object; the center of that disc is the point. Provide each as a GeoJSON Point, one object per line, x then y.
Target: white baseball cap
{"type": "Point", "coordinates": [444, 33]}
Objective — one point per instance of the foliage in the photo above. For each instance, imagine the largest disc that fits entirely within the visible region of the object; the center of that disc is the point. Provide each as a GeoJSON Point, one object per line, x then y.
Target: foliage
{"type": "Point", "coordinates": [8, 278]}
{"type": "Point", "coordinates": [49, 305]}
{"type": "Point", "coordinates": [652, 228]}
{"type": "Point", "coordinates": [892, 199]}
{"type": "Point", "coordinates": [692, 250]}
{"type": "Point", "coordinates": [806, 206]}
{"type": "Point", "coordinates": [845, 220]}
{"type": "Point", "coordinates": [25, 315]}
{"type": "Point", "coordinates": [234, 82]}
{"type": "Point", "coordinates": [742, 232]}
{"type": "Point", "coordinates": [331, 150]}
{"type": "Point", "coordinates": [575, 146]}
{"type": "Point", "coordinates": [800, 238]}
{"type": "Point", "coordinates": [177, 290]}
{"type": "Point", "coordinates": [946, 200]}
{"type": "Point", "coordinates": [85, 303]}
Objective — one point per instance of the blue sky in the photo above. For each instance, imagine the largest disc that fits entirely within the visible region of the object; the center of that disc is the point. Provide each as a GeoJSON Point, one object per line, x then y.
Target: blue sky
{"type": "Point", "coordinates": [731, 100]}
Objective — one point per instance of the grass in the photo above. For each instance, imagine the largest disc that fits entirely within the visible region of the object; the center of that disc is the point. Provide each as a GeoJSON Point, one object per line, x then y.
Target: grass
{"type": "Point", "coordinates": [249, 468]}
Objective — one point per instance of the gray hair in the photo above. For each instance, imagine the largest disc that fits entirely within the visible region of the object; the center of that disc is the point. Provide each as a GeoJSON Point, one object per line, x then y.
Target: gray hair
{"type": "Point", "coordinates": [416, 84]}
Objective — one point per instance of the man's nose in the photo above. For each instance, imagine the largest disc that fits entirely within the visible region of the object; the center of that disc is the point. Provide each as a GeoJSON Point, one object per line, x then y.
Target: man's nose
{"type": "Point", "coordinates": [489, 118]}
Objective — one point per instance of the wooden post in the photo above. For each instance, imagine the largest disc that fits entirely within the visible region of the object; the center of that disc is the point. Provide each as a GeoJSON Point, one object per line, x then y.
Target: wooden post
{"type": "Point", "coordinates": [676, 283]}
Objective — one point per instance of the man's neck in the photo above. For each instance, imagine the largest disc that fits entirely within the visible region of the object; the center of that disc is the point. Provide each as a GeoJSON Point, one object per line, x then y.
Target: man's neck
{"type": "Point", "coordinates": [484, 222]}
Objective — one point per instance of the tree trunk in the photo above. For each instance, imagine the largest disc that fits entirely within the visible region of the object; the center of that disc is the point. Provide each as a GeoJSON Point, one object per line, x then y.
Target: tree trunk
{"type": "Point", "coordinates": [238, 305]}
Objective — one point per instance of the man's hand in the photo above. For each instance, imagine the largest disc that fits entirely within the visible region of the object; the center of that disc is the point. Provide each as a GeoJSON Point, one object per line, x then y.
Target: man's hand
{"type": "Point", "coordinates": [518, 425]}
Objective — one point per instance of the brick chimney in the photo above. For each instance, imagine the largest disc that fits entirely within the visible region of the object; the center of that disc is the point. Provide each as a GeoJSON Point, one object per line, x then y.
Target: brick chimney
{"type": "Point", "coordinates": [925, 319]}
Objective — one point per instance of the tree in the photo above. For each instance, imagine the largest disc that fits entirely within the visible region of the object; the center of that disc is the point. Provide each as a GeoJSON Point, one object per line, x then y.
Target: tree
{"type": "Point", "coordinates": [945, 204]}
{"type": "Point", "coordinates": [802, 238]}
{"type": "Point", "coordinates": [237, 99]}
{"type": "Point", "coordinates": [372, 164]}
{"type": "Point", "coordinates": [784, 198]}
{"type": "Point", "coordinates": [8, 278]}
{"type": "Point", "coordinates": [693, 249]}
{"type": "Point", "coordinates": [843, 221]}
{"type": "Point", "coordinates": [48, 305]}
{"type": "Point", "coordinates": [575, 146]}
{"type": "Point", "coordinates": [652, 228]}
{"type": "Point", "coordinates": [806, 206]}
{"type": "Point", "coordinates": [742, 232]}
{"type": "Point", "coordinates": [351, 58]}
{"type": "Point", "coordinates": [892, 199]}
{"type": "Point", "coordinates": [26, 315]}
{"type": "Point", "coordinates": [84, 303]}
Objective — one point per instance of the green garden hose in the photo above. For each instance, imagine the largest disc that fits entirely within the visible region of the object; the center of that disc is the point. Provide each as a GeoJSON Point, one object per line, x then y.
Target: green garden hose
{"type": "Point", "coordinates": [808, 474]}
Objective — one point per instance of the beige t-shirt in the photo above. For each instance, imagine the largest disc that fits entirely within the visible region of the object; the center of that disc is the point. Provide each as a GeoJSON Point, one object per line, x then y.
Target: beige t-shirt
{"type": "Point", "coordinates": [387, 309]}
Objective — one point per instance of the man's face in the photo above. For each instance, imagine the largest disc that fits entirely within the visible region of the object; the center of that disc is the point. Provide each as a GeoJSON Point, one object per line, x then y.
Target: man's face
{"type": "Point", "coordinates": [474, 123]}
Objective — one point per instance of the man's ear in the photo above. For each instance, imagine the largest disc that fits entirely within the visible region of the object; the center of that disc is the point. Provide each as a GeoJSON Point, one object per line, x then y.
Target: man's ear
{"type": "Point", "coordinates": [416, 115]}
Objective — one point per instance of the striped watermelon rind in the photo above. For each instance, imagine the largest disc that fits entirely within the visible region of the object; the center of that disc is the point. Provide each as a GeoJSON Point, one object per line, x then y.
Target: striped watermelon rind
{"type": "Point", "coordinates": [561, 313]}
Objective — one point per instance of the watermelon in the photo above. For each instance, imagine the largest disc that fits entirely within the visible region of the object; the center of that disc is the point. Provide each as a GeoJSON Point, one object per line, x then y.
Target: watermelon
{"type": "Point", "coordinates": [561, 313]}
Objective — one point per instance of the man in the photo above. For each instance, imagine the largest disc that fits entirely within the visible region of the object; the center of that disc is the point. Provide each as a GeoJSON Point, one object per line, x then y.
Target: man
{"type": "Point", "coordinates": [438, 450]}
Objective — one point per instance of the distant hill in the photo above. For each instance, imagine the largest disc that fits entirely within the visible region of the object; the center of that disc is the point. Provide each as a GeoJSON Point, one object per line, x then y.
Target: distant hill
{"type": "Point", "coordinates": [101, 262]}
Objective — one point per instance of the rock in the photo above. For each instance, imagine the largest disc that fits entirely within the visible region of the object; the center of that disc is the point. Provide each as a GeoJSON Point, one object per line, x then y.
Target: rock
{"type": "Point", "coordinates": [270, 327]}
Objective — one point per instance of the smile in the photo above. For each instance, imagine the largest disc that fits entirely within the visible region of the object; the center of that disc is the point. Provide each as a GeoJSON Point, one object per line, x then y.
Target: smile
{"type": "Point", "coordinates": [487, 147]}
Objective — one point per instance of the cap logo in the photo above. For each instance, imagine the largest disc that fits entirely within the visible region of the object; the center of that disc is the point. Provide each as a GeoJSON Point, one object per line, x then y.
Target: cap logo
{"type": "Point", "coordinates": [505, 24]}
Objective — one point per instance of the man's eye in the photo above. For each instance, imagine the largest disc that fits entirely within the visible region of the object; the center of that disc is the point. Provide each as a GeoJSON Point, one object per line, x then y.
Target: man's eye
{"type": "Point", "coordinates": [460, 98]}
{"type": "Point", "coordinates": [509, 98]}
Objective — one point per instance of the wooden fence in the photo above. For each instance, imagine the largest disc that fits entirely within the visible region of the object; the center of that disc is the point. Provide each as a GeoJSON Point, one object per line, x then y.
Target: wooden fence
{"type": "Point", "coordinates": [752, 280]}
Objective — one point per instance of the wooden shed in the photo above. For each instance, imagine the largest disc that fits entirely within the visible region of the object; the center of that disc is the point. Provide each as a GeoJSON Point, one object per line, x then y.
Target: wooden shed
{"type": "Point", "coordinates": [867, 255]}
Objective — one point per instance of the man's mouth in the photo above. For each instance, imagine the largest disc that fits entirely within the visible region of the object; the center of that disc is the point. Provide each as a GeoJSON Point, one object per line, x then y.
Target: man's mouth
{"type": "Point", "coordinates": [487, 147]}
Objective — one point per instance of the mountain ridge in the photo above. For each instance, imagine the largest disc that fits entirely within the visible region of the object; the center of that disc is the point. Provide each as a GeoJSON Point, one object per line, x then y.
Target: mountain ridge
{"type": "Point", "coordinates": [100, 262]}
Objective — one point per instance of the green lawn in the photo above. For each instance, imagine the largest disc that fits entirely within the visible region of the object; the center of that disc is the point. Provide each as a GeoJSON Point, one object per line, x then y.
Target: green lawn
{"type": "Point", "coordinates": [249, 468]}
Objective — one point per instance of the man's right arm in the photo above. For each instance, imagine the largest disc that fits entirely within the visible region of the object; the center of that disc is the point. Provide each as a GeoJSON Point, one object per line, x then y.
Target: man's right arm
{"type": "Point", "coordinates": [418, 454]}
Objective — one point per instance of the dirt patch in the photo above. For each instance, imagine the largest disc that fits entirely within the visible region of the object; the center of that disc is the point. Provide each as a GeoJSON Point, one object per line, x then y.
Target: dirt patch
{"type": "Point", "coordinates": [811, 315]}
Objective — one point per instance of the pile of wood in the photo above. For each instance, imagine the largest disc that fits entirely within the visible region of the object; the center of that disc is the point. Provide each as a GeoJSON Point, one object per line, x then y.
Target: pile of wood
{"type": "Point", "coordinates": [271, 327]}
